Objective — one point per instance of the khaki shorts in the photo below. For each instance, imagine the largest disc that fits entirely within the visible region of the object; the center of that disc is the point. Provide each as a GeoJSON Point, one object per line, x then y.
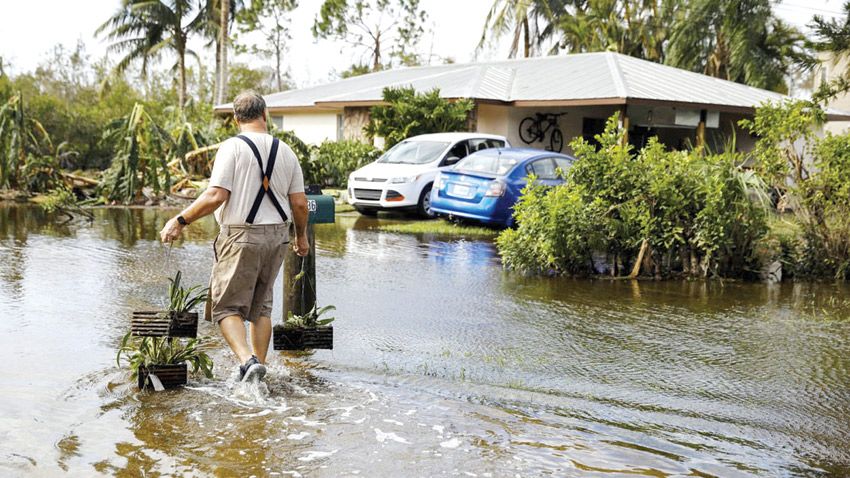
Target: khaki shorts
{"type": "Point", "coordinates": [247, 261]}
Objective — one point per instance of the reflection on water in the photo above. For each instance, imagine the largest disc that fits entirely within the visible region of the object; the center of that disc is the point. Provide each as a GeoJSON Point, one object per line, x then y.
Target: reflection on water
{"type": "Point", "coordinates": [444, 364]}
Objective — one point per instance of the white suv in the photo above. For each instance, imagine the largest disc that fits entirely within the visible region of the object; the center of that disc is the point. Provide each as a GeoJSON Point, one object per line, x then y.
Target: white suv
{"type": "Point", "coordinates": [401, 178]}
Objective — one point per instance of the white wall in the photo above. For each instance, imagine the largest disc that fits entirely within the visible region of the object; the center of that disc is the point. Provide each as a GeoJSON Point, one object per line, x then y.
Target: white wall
{"type": "Point", "coordinates": [312, 127]}
{"type": "Point", "coordinates": [493, 119]}
{"type": "Point", "coordinates": [505, 120]}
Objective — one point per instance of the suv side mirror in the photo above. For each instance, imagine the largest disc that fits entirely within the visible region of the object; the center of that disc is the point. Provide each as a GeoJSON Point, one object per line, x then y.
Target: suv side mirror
{"type": "Point", "coordinates": [451, 160]}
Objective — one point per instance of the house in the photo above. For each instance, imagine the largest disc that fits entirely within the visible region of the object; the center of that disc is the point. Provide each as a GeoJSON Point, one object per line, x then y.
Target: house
{"type": "Point", "coordinates": [829, 68]}
{"type": "Point", "coordinates": [680, 107]}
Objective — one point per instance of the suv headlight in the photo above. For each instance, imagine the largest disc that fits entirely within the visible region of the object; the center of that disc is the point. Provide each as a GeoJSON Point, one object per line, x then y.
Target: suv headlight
{"type": "Point", "coordinates": [403, 179]}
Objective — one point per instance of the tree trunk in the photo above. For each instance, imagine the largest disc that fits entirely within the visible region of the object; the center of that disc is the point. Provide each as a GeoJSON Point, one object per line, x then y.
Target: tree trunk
{"type": "Point", "coordinates": [217, 77]}
{"type": "Point", "coordinates": [277, 54]}
{"type": "Point", "coordinates": [222, 45]}
{"type": "Point", "coordinates": [181, 89]}
{"type": "Point", "coordinates": [527, 43]}
{"type": "Point", "coordinates": [376, 56]}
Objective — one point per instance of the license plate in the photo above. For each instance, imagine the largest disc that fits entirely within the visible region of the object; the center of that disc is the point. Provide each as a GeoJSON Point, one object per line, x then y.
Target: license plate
{"type": "Point", "coordinates": [461, 190]}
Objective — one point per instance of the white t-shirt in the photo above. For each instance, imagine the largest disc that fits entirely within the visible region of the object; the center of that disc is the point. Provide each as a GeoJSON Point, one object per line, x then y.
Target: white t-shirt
{"type": "Point", "coordinates": [236, 170]}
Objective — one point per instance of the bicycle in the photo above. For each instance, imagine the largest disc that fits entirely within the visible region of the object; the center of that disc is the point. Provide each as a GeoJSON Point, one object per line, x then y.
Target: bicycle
{"type": "Point", "coordinates": [535, 129]}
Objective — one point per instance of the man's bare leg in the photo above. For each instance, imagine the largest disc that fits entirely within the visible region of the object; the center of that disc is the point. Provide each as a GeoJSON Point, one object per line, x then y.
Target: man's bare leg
{"type": "Point", "coordinates": [261, 333]}
{"type": "Point", "coordinates": [233, 331]}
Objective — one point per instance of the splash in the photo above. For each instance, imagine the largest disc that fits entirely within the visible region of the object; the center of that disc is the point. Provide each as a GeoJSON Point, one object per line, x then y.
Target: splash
{"type": "Point", "coordinates": [252, 395]}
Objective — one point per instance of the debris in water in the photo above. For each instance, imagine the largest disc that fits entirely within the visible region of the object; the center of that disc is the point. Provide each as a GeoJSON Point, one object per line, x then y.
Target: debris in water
{"type": "Point", "coordinates": [305, 422]}
{"type": "Point", "coordinates": [312, 455]}
{"type": "Point", "coordinates": [453, 443]}
{"type": "Point", "coordinates": [297, 436]}
{"type": "Point", "coordinates": [382, 437]}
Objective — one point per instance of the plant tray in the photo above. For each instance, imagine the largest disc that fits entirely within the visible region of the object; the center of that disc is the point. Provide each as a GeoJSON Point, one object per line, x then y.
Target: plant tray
{"type": "Point", "coordinates": [302, 338]}
{"type": "Point", "coordinates": [171, 376]}
{"type": "Point", "coordinates": [164, 324]}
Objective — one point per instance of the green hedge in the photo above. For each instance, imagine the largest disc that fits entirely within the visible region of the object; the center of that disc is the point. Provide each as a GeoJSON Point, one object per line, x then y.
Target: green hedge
{"type": "Point", "coordinates": [691, 213]}
{"type": "Point", "coordinates": [332, 161]}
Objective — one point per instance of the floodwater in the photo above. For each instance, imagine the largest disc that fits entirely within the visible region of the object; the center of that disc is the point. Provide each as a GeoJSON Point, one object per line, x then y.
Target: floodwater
{"type": "Point", "coordinates": [444, 365]}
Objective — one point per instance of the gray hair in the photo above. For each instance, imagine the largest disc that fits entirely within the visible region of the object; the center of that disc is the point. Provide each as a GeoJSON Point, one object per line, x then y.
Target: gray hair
{"type": "Point", "coordinates": [248, 106]}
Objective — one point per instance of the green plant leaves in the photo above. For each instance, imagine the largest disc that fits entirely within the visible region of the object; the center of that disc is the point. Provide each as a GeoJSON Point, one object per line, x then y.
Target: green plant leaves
{"type": "Point", "coordinates": [147, 351]}
{"type": "Point", "coordinates": [699, 214]}
{"type": "Point", "coordinates": [310, 319]}
{"type": "Point", "coordinates": [409, 113]}
{"type": "Point", "coordinates": [183, 300]}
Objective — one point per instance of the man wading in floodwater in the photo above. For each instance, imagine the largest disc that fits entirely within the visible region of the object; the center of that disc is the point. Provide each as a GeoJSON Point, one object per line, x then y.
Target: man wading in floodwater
{"type": "Point", "coordinates": [255, 189]}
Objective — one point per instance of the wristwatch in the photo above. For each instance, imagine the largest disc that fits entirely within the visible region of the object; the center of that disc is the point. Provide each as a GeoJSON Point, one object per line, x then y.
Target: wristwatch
{"type": "Point", "coordinates": [182, 220]}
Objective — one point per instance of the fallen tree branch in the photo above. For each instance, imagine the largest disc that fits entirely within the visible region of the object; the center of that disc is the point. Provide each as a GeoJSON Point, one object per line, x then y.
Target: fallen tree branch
{"type": "Point", "coordinates": [200, 151]}
{"type": "Point", "coordinates": [81, 179]}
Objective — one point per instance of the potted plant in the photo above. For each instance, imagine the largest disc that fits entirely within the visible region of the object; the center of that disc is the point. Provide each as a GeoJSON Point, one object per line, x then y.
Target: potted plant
{"type": "Point", "coordinates": [161, 362]}
{"type": "Point", "coordinates": [308, 331]}
{"type": "Point", "coordinates": [179, 320]}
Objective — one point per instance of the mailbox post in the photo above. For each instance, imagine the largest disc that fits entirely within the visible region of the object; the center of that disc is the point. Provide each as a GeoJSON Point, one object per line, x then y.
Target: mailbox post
{"type": "Point", "coordinates": [298, 296]}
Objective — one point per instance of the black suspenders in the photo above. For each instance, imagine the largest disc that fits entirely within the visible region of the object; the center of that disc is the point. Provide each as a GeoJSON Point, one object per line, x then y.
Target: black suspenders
{"type": "Point", "coordinates": [267, 177]}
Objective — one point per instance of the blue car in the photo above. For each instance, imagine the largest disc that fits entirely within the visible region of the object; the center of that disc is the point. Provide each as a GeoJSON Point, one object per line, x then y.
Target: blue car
{"type": "Point", "coordinates": [485, 185]}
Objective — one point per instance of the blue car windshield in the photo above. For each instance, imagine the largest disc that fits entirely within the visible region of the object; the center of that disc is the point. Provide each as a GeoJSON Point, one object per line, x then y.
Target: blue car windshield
{"type": "Point", "coordinates": [414, 152]}
{"type": "Point", "coordinates": [488, 163]}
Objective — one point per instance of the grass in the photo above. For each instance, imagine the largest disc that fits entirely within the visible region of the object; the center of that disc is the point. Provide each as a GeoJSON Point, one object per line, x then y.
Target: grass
{"type": "Point", "coordinates": [439, 227]}
{"type": "Point", "coordinates": [344, 207]}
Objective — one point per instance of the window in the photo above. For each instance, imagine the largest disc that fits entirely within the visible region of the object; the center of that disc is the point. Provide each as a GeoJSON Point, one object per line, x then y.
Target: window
{"type": "Point", "coordinates": [487, 163]}
{"type": "Point", "coordinates": [484, 143]}
{"type": "Point", "coordinates": [563, 164]}
{"type": "Point", "coordinates": [458, 152]}
{"type": "Point", "coordinates": [590, 127]}
{"type": "Point", "coordinates": [278, 122]}
{"type": "Point", "coordinates": [543, 169]}
{"type": "Point", "coordinates": [340, 127]}
{"type": "Point", "coordinates": [413, 152]}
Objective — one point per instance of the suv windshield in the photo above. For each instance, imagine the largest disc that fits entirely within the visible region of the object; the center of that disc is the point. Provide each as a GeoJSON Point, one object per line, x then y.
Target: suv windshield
{"type": "Point", "coordinates": [414, 152]}
{"type": "Point", "coordinates": [479, 163]}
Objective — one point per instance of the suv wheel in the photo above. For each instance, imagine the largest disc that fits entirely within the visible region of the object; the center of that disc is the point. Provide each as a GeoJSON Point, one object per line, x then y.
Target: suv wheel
{"type": "Point", "coordinates": [424, 206]}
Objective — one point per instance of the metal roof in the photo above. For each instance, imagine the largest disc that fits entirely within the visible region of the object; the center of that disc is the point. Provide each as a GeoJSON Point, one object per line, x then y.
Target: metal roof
{"type": "Point", "coordinates": [568, 80]}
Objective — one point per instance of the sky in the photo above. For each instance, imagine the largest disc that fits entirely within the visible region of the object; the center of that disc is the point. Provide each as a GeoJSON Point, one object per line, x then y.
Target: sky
{"type": "Point", "coordinates": [32, 28]}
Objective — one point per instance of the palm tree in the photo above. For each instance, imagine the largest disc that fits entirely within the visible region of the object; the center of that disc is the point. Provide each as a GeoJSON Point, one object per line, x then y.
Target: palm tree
{"type": "Point", "coordinates": [145, 29]}
{"type": "Point", "coordinates": [526, 19]}
{"type": "Point", "coordinates": [224, 21]}
{"type": "Point", "coordinates": [636, 28]}
{"type": "Point", "coordinates": [737, 40]}
{"type": "Point", "coordinates": [221, 15]}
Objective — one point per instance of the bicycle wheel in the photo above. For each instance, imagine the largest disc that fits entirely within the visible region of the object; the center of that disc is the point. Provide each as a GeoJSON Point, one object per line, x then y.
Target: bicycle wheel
{"type": "Point", "coordinates": [528, 130]}
{"type": "Point", "coordinates": [556, 141]}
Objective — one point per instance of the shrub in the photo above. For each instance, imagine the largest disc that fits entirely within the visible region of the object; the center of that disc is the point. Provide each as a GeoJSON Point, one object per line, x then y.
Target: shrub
{"type": "Point", "coordinates": [332, 161]}
{"type": "Point", "coordinates": [409, 113]}
{"type": "Point", "coordinates": [814, 176]}
{"type": "Point", "coordinates": [556, 232]}
{"type": "Point", "coordinates": [300, 148]}
{"type": "Point", "coordinates": [671, 211]}
{"type": "Point", "coordinates": [825, 209]}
